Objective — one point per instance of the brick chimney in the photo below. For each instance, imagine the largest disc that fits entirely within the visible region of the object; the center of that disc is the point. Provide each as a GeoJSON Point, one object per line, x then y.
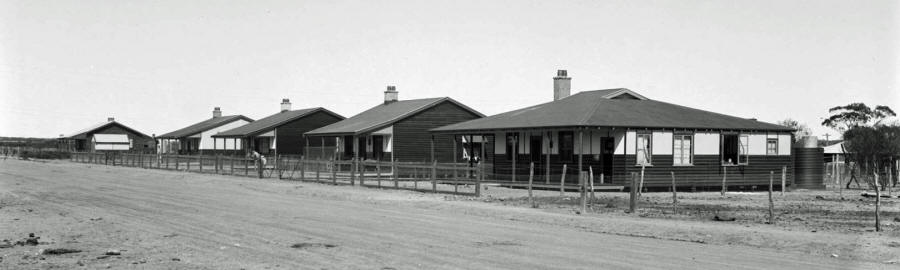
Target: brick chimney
{"type": "Point", "coordinates": [110, 119]}
{"type": "Point", "coordinates": [562, 85]}
{"type": "Point", "coordinates": [390, 95]}
{"type": "Point", "coordinates": [285, 105]}
{"type": "Point", "coordinates": [217, 112]}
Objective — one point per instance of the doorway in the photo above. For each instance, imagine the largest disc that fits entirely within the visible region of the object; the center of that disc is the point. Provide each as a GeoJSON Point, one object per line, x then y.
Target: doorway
{"type": "Point", "coordinates": [606, 157]}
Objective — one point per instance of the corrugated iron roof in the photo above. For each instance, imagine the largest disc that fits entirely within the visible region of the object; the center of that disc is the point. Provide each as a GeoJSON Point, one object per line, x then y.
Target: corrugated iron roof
{"type": "Point", "coordinates": [598, 109]}
{"type": "Point", "coordinates": [203, 126]}
{"type": "Point", "coordinates": [271, 122]}
{"type": "Point", "coordinates": [81, 133]}
{"type": "Point", "coordinates": [383, 115]}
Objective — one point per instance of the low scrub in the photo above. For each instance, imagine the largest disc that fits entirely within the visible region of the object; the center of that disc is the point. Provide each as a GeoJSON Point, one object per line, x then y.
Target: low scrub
{"type": "Point", "coordinates": [44, 155]}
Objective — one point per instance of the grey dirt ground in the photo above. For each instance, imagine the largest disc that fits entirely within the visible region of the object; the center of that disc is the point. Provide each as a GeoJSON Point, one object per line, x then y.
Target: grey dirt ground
{"type": "Point", "coordinates": [174, 220]}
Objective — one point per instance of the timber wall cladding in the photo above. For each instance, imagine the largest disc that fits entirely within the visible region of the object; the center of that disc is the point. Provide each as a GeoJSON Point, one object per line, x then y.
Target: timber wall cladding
{"type": "Point", "coordinates": [290, 135]}
{"type": "Point", "coordinates": [412, 141]}
{"type": "Point", "coordinates": [707, 171]}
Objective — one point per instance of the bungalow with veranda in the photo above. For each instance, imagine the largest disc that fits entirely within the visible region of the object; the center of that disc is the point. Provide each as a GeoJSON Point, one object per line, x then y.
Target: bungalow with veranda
{"type": "Point", "coordinates": [107, 136]}
{"type": "Point", "coordinates": [620, 133]}
{"type": "Point", "coordinates": [280, 133]}
{"type": "Point", "coordinates": [397, 129]}
{"type": "Point", "coordinates": [197, 138]}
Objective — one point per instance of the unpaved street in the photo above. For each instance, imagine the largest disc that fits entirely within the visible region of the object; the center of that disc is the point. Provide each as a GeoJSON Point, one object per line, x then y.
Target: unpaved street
{"type": "Point", "coordinates": [175, 220]}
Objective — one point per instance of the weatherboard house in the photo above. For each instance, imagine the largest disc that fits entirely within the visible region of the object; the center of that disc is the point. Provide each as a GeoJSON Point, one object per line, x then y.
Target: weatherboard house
{"type": "Point", "coordinates": [107, 136]}
{"type": "Point", "coordinates": [280, 133]}
{"type": "Point", "coordinates": [619, 133]}
{"type": "Point", "coordinates": [197, 138]}
{"type": "Point", "coordinates": [398, 130]}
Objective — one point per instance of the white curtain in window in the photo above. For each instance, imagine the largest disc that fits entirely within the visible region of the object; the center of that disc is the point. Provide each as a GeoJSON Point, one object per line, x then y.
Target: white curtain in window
{"type": "Point", "coordinates": [643, 149]}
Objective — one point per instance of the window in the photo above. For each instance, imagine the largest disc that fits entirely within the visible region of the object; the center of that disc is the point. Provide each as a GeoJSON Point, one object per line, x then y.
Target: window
{"type": "Point", "coordinates": [643, 149]}
{"type": "Point", "coordinates": [734, 149]}
{"type": "Point", "coordinates": [771, 146]}
{"type": "Point", "coordinates": [683, 150]}
{"type": "Point", "coordinates": [512, 140]}
{"type": "Point", "coordinates": [566, 145]}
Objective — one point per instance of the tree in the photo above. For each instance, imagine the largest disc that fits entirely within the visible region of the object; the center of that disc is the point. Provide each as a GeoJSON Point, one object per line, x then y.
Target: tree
{"type": "Point", "coordinates": [844, 118]}
{"type": "Point", "coordinates": [873, 150]}
{"type": "Point", "coordinates": [800, 129]}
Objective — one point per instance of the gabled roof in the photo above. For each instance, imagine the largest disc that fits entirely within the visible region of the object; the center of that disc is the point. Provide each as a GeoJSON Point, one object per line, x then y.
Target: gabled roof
{"type": "Point", "coordinates": [111, 138]}
{"type": "Point", "coordinates": [82, 133]}
{"type": "Point", "coordinates": [602, 108]}
{"type": "Point", "coordinates": [271, 122]}
{"type": "Point", "coordinates": [383, 115]}
{"type": "Point", "coordinates": [203, 126]}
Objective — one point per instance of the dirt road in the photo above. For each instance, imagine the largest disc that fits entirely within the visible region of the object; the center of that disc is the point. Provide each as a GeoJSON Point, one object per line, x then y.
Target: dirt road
{"type": "Point", "coordinates": [174, 220]}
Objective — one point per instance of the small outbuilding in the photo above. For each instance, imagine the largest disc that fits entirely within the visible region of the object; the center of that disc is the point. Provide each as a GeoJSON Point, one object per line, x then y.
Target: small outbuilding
{"type": "Point", "coordinates": [398, 129]}
{"type": "Point", "coordinates": [280, 133]}
{"type": "Point", "coordinates": [107, 136]}
{"type": "Point", "coordinates": [197, 138]}
{"type": "Point", "coordinates": [619, 132]}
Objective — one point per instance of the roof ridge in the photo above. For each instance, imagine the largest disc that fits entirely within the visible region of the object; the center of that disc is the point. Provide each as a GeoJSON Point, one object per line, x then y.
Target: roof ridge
{"type": "Point", "coordinates": [404, 115]}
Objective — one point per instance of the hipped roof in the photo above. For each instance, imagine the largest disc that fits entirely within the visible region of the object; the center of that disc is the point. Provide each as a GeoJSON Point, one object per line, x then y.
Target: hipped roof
{"type": "Point", "coordinates": [382, 116]}
{"type": "Point", "coordinates": [601, 108]}
{"type": "Point", "coordinates": [81, 134]}
{"type": "Point", "coordinates": [203, 126]}
{"type": "Point", "coordinates": [271, 122]}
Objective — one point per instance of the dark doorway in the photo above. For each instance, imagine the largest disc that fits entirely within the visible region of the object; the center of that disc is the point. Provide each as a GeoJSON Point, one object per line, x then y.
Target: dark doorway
{"type": "Point", "coordinates": [377, 147]}
{"type": "Point", "coordinates": [348, 147]}
{"type": "Point", "coordinates": [362, 147]}
{"type": "Point", "coordinates": [606, 157]}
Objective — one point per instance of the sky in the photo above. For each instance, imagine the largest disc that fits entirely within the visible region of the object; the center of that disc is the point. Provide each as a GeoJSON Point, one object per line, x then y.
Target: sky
{"type": "Point", "coordinates": [158, 66]}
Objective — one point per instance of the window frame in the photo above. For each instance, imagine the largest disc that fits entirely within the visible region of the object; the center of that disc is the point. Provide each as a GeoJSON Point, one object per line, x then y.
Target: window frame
{"type": "Point", "coordinates": [675, 160]}
{"type": "Point", "coordinates": [769, 142]}
{"type": "Point", "coordinates": [648, 152]}
{"type": "Point", "coordinates": [743, 148]}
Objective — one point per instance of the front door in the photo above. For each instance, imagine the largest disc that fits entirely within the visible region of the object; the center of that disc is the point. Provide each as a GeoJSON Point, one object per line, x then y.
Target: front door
{"type": "Point", "coordinates": [377, 147]}
{"type": "Point", "coordinates": [606, 157]}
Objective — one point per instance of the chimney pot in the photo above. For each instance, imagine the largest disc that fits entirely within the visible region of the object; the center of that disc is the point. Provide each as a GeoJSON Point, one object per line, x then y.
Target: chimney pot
{"type": "Point", "coordinates": [285, 105]}
{"type": "Point", "coordinates": [391, 94]}
{"type": "Point", "coordinates": [562, 85]}
{"type": "Point", "coordinates": [217, 112]}
{"type": "Point", "coordinates": [110, 119]}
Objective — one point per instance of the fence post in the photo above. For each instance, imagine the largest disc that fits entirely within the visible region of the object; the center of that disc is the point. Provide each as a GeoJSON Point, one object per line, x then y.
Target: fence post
{"type": "Point", "coordinates": [394, 173]}
{"type": "Point", "coordinates": [302, 168]}
{"type": "Point", "coordinates": [200, 158]}
{"type": "Point", "coordinates": [530, 181]}
{"type": "Point", "coordinates": [582, 185]}
{"type": "Point", "coordinates": [318, 171]}
{"type": "Point", "coordinates": [478, 179]}
{"type": "Point", "coordinates": [877, 204]}
{"type": "Point", "coordinates": [632, 202]}
{"type": "Point", "coordinates": [334, 172]}
{"type": "Point", "coordinates": [641, 185]}
{"type": "Point", "coordinates": [246, 166]}
{"type": "Point", "coordinates": [434, 176]}
{"type": "Point", "coordinates": [562, 182]}
{"type": "Point", "coordinates": [217, 163]}
{"type": "Point", "coordinates": [378, 172]}
{"type": "Point", "coordinates": [674, 194]}
{"type": "Point", "coordinates": [771, 203]}
{"type": "Point", "coordinates": [177, 163]}
{"type": "Point", "coordinates": [591, 171]}
{"type": "Point", "coordinates": [724, 177]}
{"type": "Point", "coordinates": [354, 166]}
{"type": "Point", "coordinates": [362, 172]}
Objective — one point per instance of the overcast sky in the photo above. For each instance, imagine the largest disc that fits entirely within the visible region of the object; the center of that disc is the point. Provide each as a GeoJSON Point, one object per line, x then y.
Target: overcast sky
{"type": "Point", "coordinates": [158, 66]}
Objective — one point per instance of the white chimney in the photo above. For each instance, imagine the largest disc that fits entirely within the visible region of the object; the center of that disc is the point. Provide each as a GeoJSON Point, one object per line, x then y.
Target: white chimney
{"type": "Point", "coordinates": [285, 105]}
{"type": "Point", "coordinates": [390, 95]}
{"type": "Point", "coordinates": [110, 119]}
{"type": "Point", "coordinates": [562, 85]}
{"type": "Point", "coordinates": [217, 112]}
